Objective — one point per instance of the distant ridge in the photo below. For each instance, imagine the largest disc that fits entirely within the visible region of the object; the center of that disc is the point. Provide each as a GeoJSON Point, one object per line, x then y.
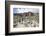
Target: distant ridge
{"type": "Point", "coordinates": [25, 13]}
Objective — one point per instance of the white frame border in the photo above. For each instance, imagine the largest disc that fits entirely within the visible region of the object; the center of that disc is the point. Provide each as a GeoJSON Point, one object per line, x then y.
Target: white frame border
{"type": "Point", "coordinates": [29, 28]}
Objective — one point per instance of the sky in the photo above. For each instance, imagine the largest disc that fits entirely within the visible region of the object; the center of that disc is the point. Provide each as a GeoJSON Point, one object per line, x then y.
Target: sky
{"type": "Point", "coordinates": [22, 10]}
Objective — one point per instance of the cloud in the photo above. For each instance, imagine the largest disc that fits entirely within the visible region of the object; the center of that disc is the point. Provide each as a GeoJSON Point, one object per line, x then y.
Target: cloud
{"type": "Point", "coordinates": [22, 10]}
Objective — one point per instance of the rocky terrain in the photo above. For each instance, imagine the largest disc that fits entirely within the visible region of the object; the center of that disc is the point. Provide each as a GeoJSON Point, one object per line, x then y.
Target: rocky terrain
{"type": "Point", "coordinates": [26, 21]}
